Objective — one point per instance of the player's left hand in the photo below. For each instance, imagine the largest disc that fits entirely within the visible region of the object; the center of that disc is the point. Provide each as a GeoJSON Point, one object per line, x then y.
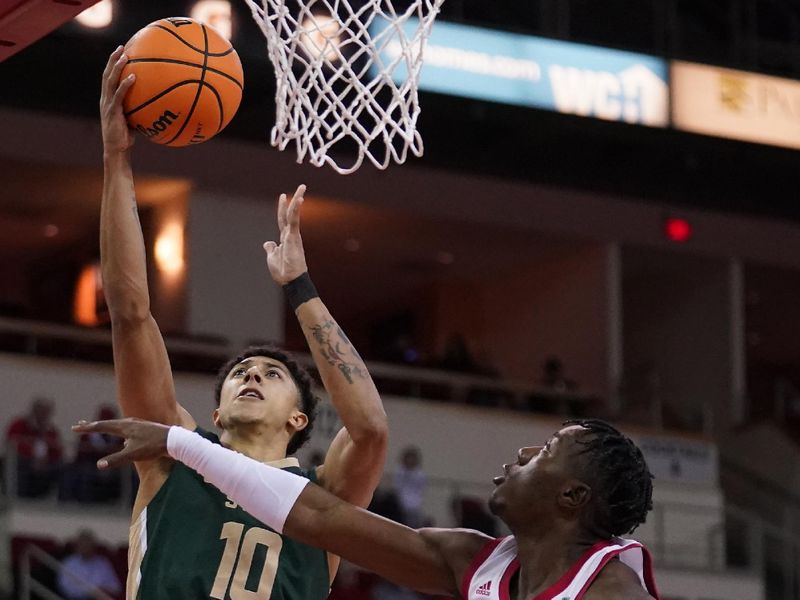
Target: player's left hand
{"type": "Point", "coordinates": [144, 440]}
{"type": "Point", "coordinates": [287, 260]}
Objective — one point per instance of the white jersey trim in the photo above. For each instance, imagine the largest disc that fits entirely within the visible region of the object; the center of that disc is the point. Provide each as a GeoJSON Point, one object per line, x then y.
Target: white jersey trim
{"type": "Point", "coordinates": [489, 576]}
{"type": "Point", "coordinates": [137, 546]}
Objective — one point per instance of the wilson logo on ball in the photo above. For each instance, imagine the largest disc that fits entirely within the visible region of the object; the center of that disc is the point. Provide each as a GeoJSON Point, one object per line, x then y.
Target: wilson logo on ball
{"type": "Point", "coordinates": [188, 83]}
{"type": "Point", "coordinates": [159, 125]}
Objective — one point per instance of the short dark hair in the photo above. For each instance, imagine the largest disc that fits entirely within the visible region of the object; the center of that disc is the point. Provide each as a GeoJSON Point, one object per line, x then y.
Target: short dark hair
{"type": "Point", "coordinates": [301, 378]}
{"type": "Point", "coordinates": [619, 477]}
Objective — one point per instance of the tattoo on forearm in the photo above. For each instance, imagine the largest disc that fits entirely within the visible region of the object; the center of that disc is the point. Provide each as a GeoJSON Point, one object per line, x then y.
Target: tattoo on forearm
{"type": "Point", "coordinates": [338, 351]}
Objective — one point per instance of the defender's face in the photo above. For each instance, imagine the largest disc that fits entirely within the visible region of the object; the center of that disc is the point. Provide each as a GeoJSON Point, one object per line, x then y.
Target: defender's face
{"type": "Point", "coordinates": [257, 390]}
{"type": "Point", "coordinates": [530, 485]}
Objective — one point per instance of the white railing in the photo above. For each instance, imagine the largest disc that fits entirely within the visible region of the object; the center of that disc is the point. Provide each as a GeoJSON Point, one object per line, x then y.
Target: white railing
{"type": "Point", "coordinates": [771, 542]}
{"type": "Point", "coordinates": [29, 585]}
{"type": "Point", "coordinates": [414, 379]}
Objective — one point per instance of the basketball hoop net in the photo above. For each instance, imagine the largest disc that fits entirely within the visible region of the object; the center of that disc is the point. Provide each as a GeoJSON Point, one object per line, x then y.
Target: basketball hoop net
{"type": "Point", "coordinates": [347, 74]}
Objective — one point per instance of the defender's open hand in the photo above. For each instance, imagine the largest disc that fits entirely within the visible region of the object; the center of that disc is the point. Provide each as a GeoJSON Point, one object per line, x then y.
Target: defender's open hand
{"type": "Point", "coordinates": [144, 440]}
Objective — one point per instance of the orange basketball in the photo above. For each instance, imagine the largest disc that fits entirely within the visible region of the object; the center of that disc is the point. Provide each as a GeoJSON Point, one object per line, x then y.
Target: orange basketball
{"type": "Point", "coordinates": [188, 84]}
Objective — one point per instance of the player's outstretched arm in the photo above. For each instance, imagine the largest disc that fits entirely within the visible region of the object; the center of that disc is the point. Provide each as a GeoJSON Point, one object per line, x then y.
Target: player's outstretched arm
{"type": "Point", "coordinates": [426, 560]}
{"type": "Point", "coordinates": [144, 378]}
{"type": "Point", "coordinates": [354, 463]}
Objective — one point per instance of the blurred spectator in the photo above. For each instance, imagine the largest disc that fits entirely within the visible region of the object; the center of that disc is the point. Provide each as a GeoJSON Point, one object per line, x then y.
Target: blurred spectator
{"type": "Point", "coordinates": [402, 349]}
{"type": "Point", "coordinates": [392, 339]}
{"type": "Point", "coordinates": [456, 356]}
{"type": "Point", "coordinates": [82, 480]}
{"type": "Point", "coordinates": [86, 569]}
{"type": "Point", "coordinates": [36, 446]}
{"type": "Point", "coordinates": [316, 459]}
{"type": "Point", "coordinates": [554, 393]}
{"type": "Point", "coordinates": [471, 513]}
{"type": "Point", "coordinates": [352, 583]}
{"type": "Point", "coordinates": [385, 590]}
{"type": "Point", "coordinates": [553, 376]}
{"type": "Point", "coordinates": [386, 504]}
{"type": "Point", "coordinates": [409, 485]}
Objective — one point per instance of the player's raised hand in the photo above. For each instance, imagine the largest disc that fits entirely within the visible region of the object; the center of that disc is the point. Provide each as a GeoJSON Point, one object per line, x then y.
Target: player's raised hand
{"type": "Point", "coordinates": [117, 136]}
{"type": "Point", "coordinates": [287, 260]}
{"type": "Point", "coordinates": [144, 440]}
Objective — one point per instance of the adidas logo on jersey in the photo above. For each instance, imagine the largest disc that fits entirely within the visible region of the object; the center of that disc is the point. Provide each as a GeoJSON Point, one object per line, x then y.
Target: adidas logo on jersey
{"type": "Point", "coordinates": [485, 589]}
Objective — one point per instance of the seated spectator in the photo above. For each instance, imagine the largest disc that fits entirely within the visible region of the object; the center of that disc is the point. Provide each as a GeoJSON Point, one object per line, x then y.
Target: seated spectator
{"type": "Point", "coordinates": [36, 447]}
{"type": "Point", "coordinates": [391, 339]}
{"type": "Point", "coordinates": [472, 513]}
{"type": "Point", "coordinates": [82, 480]}
{"type": "Point", "coordinates": [456, 356]}
{"type": "Point", "coordinates": [385, 590]}
{"type": "Point", "coordinates": [352, 583]}
{"type": "Point", "coordinates": [386, 504]}
{"type": "Point", "coordinates": [409, 485]}
{"type": "Point", "coordinates": [557, 394]}
{"type": "Point", "coordinates": [86, 570]}
{"type": "Point", "coordinates": [401, 349]}
{"type": "Point", "coordinates": [316, 459]}
{"type": "Point", "coordinates": [553, 376]}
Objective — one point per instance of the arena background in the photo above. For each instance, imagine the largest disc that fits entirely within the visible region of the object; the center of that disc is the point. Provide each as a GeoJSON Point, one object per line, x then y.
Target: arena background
{"type": "Point", "coordinates": [660, 266]}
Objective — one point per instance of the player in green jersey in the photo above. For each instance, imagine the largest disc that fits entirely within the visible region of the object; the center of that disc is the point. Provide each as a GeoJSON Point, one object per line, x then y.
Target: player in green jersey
{"type": "Point", "coordinates": [188, 541]}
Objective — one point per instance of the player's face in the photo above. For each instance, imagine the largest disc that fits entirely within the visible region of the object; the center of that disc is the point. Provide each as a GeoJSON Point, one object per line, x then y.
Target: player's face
{"type": "Point", "coordinates": [530, 485]}
{"type": "Point", "coordinates": [258, 390]}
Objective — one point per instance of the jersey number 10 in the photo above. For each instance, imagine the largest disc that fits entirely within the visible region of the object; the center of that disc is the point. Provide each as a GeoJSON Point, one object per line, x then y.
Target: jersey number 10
{"type": "Point", "coordinates": [242, 559]}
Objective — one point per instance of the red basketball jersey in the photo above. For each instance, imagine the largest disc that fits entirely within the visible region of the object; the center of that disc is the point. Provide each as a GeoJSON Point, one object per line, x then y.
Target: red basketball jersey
{"type": "Point", "coordinates": [491, 571]}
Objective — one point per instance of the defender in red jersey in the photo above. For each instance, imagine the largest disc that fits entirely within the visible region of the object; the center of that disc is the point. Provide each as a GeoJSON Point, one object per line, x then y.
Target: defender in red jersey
{"type": "Point", "coordinates": [565, 502]}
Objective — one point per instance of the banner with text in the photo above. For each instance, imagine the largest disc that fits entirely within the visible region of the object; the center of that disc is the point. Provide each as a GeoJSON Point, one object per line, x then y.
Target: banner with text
{"type": "Point", "coordinates": [736, 104]}
{"type": "Point", "coordinates": [530, 71]}
{"type": "Point", "coordinates": [672, 458]}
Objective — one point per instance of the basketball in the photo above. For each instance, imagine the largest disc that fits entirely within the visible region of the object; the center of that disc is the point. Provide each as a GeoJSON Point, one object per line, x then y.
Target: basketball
{"type": "Point", "coordinates": [188, 84]}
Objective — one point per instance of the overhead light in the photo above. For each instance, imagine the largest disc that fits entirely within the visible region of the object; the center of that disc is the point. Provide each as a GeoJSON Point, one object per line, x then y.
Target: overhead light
{"type": "Point", "coordinates": [50, 230]}
{"type": "Point", "coordinates": [87, 290]}
{"type": "Point", "coordinates": [97, 16]}
{"type": "Point", "coordinates": [216, 13]}
{"type": "Point", "coordinates": [169, 249]}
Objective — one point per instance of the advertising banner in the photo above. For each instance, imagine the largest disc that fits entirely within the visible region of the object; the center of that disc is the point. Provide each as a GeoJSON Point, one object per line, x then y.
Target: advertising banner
{"type": "Point", "coordinates": [530, 71]}
{"type": "Point", "coordinates": [736, 104]}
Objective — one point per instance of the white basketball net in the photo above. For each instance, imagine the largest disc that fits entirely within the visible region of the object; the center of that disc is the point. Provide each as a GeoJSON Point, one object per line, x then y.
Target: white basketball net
{"type": "Point", "coordinates": [336, 62]}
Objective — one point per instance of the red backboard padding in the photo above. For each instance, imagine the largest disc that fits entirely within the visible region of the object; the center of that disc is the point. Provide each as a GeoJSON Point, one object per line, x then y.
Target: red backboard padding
{"type": "Point", "coordinates": [22, 22]}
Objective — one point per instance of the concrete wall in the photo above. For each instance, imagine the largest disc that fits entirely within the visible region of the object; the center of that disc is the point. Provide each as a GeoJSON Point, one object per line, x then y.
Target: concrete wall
{"type": "Point", "coordinates": [677, 333]}
{"type": "Point", "coordinates": [231, 293]}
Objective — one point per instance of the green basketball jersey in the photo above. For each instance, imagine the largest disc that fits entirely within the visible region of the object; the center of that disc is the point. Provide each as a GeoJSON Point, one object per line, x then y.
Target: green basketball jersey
{"type": "Point", "coordinates": [191, 543]}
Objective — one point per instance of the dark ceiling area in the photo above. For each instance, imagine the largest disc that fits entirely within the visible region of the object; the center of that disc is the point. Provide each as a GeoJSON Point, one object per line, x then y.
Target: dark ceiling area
{"type": "Point", "coordinates": [61, 73]}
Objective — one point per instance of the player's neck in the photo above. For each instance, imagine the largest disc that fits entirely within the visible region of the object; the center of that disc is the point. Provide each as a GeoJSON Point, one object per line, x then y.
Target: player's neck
{"type": "Point", "coordinates": [544, 559]}
{"type": "Point", "coordinates": [259, 445]}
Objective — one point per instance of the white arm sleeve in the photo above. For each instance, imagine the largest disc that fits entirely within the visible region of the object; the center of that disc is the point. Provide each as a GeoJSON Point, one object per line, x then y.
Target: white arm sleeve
{"type": "Point", "coordinates": [265, 492]}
